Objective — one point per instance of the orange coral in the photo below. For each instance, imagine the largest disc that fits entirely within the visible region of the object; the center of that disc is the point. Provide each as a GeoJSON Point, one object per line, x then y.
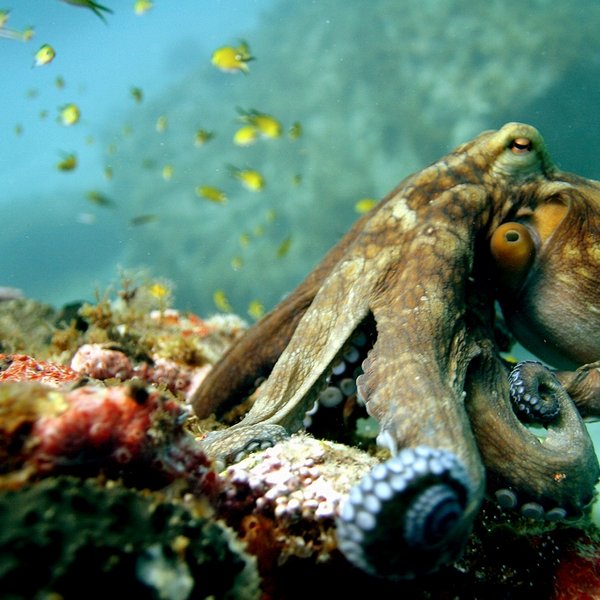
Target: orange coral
{"type": "Point", "coordinates": [20, 367]}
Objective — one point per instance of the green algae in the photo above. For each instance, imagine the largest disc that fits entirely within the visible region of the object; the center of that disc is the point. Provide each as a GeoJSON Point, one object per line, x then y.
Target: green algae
{"type": "Point", "coordinates": [82, 539]}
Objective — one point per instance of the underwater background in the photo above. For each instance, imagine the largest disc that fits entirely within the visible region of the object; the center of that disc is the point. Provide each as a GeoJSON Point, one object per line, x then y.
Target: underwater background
{"type": "Point", "coordinates": [147, 174]}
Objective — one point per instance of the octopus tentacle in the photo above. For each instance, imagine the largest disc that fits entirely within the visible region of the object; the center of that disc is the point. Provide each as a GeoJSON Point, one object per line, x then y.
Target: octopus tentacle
{"type": "Point", "coordinates": [301, 371]}
{"type": "Point", "coordinates": [405, 517]}
{"type": "Point", "coordinates": [560, 471]}
{"type": "Point", "coordinates": [583, 386]}
{"type": "Point", "coordinates": [254, 354]}
{"type": "Point", "coordinates": [533, 390]}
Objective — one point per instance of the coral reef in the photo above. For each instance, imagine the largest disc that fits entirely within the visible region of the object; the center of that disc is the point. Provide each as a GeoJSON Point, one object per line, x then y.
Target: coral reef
{"type": "Point", "coordinates": [105, 479]}
{"type": "Point", "coordinates": [121, 431]}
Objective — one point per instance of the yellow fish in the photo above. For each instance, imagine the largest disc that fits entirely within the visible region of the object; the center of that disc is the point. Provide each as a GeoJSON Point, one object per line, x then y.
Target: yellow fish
{"type": "Point", "coordinates": [27, 34]}
{"type": "Point", "coordinates": [211, 193]}
{"type": "Point", "coordinates": [245, 136]}
{"type": "Point", "coordinates": [167, 172]}
{"type": "Point", "coordinates": [159, 290]}
{"type": "Point", "coordinates": [284, 247]}
{"type": "Point", "coordinates": [250, 179]}
{"type": "Point", "coordinates": [4, 16]}
{"type": "Point", "coordinates": [142, 6]}
{"type": "Point", "coordinates": [44, 56]}
{"type": "Point", "coordinates": [161, 124]}
{"type": "Point", "coordinates": [93, 6]}
{"type": "Point", "coordinates": [143, 220]}
{"type": "Point", "coordinates": [256, 309]}
{"type": "Point", "coordinates": [68, 163]}
{"type": "Point", "coordinates": [364, 205]}
{"type": "Point", "coordinates": [295, 131]}
{"type": "Point", "coordinates": [232, 59]}
{"type": "Point", "coordinates": [13, 34]}
{"type": "Point", "coordinates": [237, 263]}
{"type": "Point", "coordinates": [267, 125]}
{"type": "Point", "coordinates": [59, 82]}
{"type": "Point", "coordinates": [221, 301]}
{"type": "Point", "coordinates": [244, 239]}
{"type": "Point", "coordinates": [98, 198]}
{"type": "Point", "coordinates": [69, 114]}
{"type": "Point", "coordinates": [108, 172]}
{"type": "Point", "coordinates": [137, 93]}
{"type": "Point", "coordinates": [202, 136]}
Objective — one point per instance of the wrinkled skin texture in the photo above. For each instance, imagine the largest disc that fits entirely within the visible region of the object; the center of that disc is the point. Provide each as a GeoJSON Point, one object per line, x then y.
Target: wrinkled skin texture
{"type": "Point", "coordinates": [425, 269]}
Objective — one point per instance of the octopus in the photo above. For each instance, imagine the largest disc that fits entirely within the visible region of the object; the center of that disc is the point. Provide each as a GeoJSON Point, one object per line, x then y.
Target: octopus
{"type": "Point", "coordinates": [417, 287]}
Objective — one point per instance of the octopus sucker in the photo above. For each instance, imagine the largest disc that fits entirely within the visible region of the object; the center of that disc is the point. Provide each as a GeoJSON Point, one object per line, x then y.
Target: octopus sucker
{"type": "Point", "coordinates": [406, 517]}
{"type": "Point", "coordinates": [494, 221]}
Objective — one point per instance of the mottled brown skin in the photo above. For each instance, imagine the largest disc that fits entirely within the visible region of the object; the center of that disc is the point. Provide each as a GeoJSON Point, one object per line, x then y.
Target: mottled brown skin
{"type": "Point", "coordinates": [420, 264]}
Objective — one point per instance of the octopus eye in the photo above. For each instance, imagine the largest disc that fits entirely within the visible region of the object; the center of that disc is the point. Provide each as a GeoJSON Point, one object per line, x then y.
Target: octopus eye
{"type": "Point", "coordinates": [521, 146]}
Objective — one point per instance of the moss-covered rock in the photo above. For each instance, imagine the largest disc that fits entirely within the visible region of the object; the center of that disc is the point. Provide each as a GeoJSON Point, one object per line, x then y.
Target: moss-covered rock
{"type": "Point", "coordinates": [81, 539]}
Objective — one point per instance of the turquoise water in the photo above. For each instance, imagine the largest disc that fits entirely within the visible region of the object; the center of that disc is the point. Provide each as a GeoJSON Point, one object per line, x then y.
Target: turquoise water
{"type": "Point", "coordinates": [380, 88]}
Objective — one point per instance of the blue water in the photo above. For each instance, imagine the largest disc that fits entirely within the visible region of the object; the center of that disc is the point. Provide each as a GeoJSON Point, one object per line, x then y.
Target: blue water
{"type": "Point", "coordinates": [48, 252]}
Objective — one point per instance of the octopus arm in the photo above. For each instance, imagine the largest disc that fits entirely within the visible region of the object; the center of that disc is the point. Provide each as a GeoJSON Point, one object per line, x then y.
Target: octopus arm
{"type": "Point", "coordinates": [559, 470]}
{"type": "Point", "coordinates": [257, 350]}
{"type": "Point", "coordinates": [583, 385]}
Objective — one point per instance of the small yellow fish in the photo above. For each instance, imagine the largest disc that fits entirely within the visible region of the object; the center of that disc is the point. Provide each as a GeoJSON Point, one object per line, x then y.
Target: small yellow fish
{"type": "Point", "coordinates": [202, 136]}
{"type": "Point", "coordinates": [18, 129]}
{"type": "Point", "coordinates": [69, 114]}
{"type": "Point", "coordinates": [167, 172]}
{"type": "Point", "coordinates": [159, 290]}
{"type": "Point", "coordinates": [259, 230]}
{"type": "Point", "coordinates": [43, 114]}
{"type": "Point", "coordinates": [244, 239]}
{"type": "Point", "coordinates": [267, 125]}
{"type": "Point", "coordinates": [271, 215]}
{"type": "Point", "coordinates": [256, 309]}
{"type": "Point", "coordinates": [161, 124]}
{"type": "Point", "coordinates": [59, 82]}
{"type": "Point", "coordinates": [98, 198]}
{"type": "Point", "coordinates": [44, 56]}
{"type": "Point", "coordinates": [142, 6]}
{"type": "Point", "coordinates": [232, 59]}
{"type": "Point", "coordinates": [295, 131]}
{"type": "Point", "coordinates": [108, 172]}
{"type": "Point", "coordinates": [296, 179]}
{"type": "Point", "coordinates": [237, 263]}
{"type": "Point", "coordinates": [27, 34]}
{"type": "Point", "coordinates": [13, 34]}
{"type": "Point", "coordinates": [143, 220]}
{"type": "Point", "coordinates": [364, 205]}
{"type": "Point", "coordinates": [250, 178]}
{"type": "Point", "coordinates": [284, 247]}
{"type": "Point", "coordinates": [4, 16]}
{"type": "Point", "coordinates": [93, 6]}
{"type": "Point", "coordinates": [211, 193]}
{"type": "Point", "coordinates": [221, 301]}
{"type": "Point", "coordinates": [137, 93]}
{"type": "Point", "coordinates": [245, 136]}
{"type": "Point", "coordinates": [68, 163]}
